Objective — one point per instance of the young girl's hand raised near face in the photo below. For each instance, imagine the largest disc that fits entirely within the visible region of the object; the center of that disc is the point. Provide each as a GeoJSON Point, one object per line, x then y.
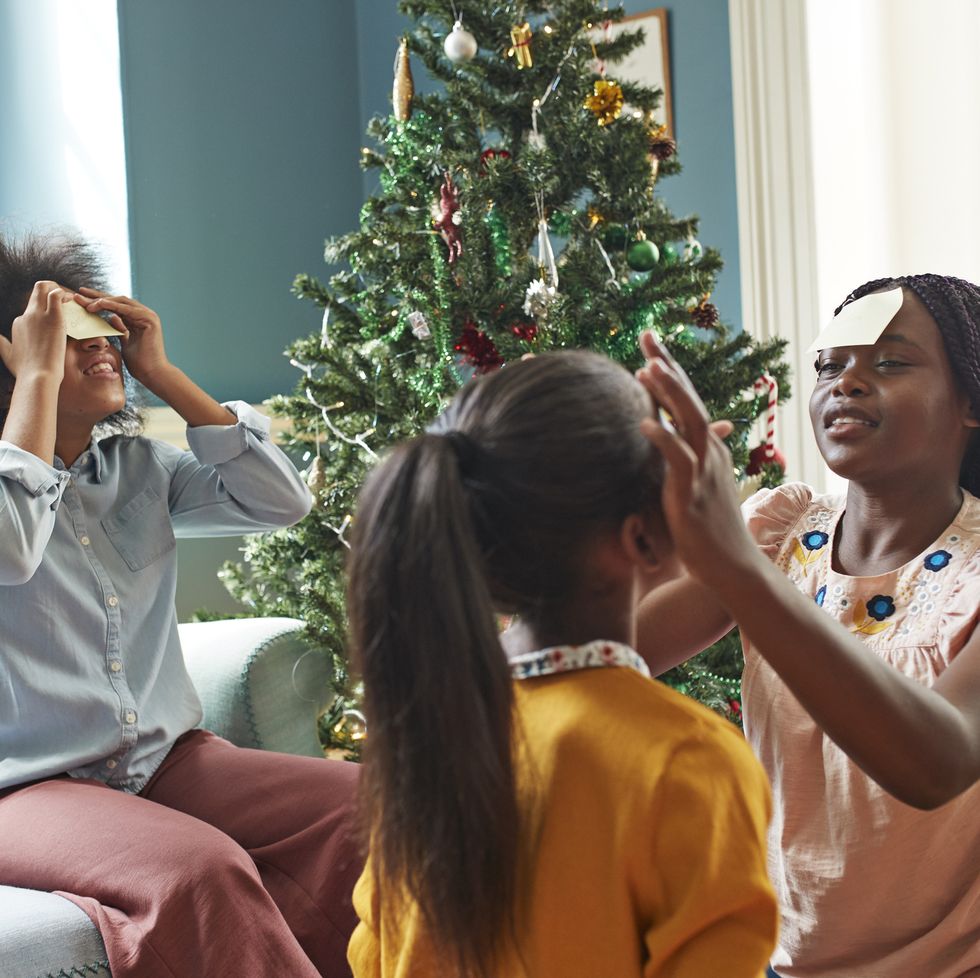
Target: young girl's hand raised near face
{"type": "Point", "coordinates": [146, 358]}
{"type": "Point", "coordinates": [35, 356]}
{"type": "Point", "coordinates": [142, 342]}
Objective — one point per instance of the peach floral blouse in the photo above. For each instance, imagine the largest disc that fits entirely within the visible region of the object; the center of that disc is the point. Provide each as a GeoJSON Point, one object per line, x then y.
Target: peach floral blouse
{"type": "Point", "coordinates": [869, 887]}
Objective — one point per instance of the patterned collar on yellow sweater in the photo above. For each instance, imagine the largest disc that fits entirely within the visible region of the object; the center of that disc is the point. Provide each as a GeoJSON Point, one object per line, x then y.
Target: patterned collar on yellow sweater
{"type": "Point", "coordinates": [566, 658]}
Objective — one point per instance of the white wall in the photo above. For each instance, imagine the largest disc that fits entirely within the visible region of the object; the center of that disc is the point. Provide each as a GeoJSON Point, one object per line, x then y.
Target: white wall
{"type": "Point", "coordinates": [895, 86]}
{"type": "Point", "coordinates": [62, 163]}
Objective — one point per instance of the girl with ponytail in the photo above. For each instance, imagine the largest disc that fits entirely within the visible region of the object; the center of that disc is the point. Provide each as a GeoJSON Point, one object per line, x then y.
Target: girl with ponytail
{"type": "Point", "coordinates": [536, 805]}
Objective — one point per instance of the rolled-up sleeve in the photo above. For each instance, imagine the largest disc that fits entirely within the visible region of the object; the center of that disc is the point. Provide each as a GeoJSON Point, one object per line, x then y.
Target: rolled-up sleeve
{"type": "Point", "coordinates": [233, 480]}
{"type": "Point", "coordinates": [30, 493]}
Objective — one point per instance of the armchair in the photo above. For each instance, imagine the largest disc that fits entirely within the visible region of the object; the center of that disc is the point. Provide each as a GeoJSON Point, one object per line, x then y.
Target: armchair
{"type": "Point", "coordinates": [261, 685]}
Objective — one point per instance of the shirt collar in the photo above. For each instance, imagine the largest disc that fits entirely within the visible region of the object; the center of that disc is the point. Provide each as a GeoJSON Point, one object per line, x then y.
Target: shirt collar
{"type": "Point", "coordinates": [91, 454]}
{"type": "Point", "coordinates": [96, 452]}
{"type": "Point", "coordinates": [567, 658]}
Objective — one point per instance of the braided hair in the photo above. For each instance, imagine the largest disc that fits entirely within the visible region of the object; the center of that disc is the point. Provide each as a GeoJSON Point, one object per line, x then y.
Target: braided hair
{"type": "Point", "coordinates": [954, 305]}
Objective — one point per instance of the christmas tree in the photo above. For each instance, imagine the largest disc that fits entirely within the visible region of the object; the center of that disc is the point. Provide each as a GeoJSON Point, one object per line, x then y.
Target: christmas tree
{"type": "Point", "coordinates": [517, 212]}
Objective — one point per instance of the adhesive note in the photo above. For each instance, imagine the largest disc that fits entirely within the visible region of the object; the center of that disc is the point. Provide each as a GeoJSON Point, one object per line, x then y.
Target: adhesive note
{"type": "Point", "coordinates": [80, 324]}
{"type": "Point", "coordinates": [861, 322]}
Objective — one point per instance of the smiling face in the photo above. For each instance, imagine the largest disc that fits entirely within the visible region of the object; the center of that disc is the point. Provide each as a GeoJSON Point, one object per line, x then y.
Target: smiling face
{"type": "Point", "coordinates": [92, 388]}
{"type": "Point", "coordinates": [892, 409]}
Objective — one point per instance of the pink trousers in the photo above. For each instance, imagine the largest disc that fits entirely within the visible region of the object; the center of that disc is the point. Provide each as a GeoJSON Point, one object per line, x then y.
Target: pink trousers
{"type": "Point", "coordinates": [231, 862]}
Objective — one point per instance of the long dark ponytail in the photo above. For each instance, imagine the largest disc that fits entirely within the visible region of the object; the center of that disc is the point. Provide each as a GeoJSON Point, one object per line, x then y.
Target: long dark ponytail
{"type": "Point", "coordinates": [954, 305]}
{"type": "Point", "coordinates": [489, 512]}
{"type": "Point", "coordinates": [438, 766]}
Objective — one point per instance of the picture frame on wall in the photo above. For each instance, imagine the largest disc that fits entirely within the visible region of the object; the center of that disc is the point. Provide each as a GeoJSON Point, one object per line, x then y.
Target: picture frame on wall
{"type": "Point", "coordinates": [648, 64]}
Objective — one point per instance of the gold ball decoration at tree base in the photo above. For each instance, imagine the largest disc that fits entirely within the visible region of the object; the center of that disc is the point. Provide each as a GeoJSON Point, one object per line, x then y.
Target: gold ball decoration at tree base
{"type": "Point", "coordinates": [606, 101]}
{"type": "Point", "coordinates": [520, 49]}
{"type": "Point", "coordinates": [403, 89]}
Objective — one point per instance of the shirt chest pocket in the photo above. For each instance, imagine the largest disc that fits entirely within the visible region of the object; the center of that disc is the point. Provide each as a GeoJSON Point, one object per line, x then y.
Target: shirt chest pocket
{"type": "Point", "coordinates": [141, 530]}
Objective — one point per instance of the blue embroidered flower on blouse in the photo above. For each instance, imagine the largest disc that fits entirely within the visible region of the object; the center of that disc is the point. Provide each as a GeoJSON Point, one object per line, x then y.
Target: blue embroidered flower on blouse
{"type": "Point", "coordinates": [937, 560]}
{"type": "Point", "coordinates": [815, 539]}
{"type": "Point", "coordinates": [820, 595]}
{"type": "Point", "coordinates": [880, 607]}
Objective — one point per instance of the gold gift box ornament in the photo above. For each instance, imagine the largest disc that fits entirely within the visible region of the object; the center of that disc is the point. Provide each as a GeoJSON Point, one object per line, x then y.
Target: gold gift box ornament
{"type": "Point", "coordinates": [520, 38]}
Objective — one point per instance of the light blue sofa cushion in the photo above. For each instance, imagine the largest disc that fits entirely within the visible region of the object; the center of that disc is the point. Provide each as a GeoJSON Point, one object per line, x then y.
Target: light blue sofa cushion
{"type": "Point", "coordinates": [260, 682]}
{"type": "Point", "coordinates": [44, 935]}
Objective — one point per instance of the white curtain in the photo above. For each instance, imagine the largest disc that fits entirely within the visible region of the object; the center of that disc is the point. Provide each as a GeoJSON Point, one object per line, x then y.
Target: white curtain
{"type": "Point", "coordinates": [856, 150]}
{"type": "Point", "coordinates": [62, 157]}
{"type": "Point", "coordinates": [895, 90]}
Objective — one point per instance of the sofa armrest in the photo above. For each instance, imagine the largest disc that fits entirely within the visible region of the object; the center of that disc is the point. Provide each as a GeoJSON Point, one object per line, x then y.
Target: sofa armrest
{"type": "Point", "coordinates": [261, 683]}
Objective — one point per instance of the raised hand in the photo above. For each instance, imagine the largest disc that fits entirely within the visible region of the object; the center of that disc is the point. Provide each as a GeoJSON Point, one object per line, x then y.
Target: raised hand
{"type": "Point", "coordinates": [143, 352]}
{"type": "Point", "coordinates": [142, 340]}
{"type": "Point", "coordinates": [38, 339]}
{"type": "Point", "coordinates": [700, 501]}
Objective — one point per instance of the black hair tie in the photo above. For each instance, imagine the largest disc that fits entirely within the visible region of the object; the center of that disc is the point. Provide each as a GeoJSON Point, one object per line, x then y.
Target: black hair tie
{"type": "Point", "coordinates": [468, 453]}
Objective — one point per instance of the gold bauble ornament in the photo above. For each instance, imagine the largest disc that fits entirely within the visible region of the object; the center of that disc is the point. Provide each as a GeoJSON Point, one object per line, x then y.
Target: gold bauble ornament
{"type": "Point", "coordinates": [606, 101]}
{"type": "Point", "coordinates": [316, 475]}
{"type": "Point", "coordinates": [404, 88]}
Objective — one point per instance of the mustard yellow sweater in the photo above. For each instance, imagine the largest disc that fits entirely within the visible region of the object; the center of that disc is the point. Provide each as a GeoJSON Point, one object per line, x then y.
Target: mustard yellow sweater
{"type": "Point", "coordinates": [650, 814]}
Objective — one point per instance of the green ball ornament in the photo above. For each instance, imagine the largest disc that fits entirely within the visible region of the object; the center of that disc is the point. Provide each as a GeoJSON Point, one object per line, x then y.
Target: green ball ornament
{"type": "Point", "coordinates": [614, 237]}
{"type": "Point", "coordinates": [642, 256]}
{"type": "Point", "coordinates": [668, 252]}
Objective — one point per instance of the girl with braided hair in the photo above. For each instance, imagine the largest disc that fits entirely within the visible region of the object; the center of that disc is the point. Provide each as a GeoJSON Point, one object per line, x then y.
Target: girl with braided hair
{"type": "Point", "coordinates": [537, 806]}
{"type": "Point", "coordinates": [858, 614]}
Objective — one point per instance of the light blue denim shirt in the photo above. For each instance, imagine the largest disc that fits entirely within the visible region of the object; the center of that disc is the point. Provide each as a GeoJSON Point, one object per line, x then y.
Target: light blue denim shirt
{"type": "Point", "coordinates": [92, 680]}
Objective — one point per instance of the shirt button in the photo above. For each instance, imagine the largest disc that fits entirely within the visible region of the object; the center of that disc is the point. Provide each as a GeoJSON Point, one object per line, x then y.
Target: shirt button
{"type": "Point", "coordinates": [84, 541]}
{"type": "Point", "coordinates": [130, 717]}
{"type": "Point", "coordinates": [111, 763]}
{"type": "Point", "coordinates": [112, 601]}
{"type": "Point", "coordinates": [115, 665]}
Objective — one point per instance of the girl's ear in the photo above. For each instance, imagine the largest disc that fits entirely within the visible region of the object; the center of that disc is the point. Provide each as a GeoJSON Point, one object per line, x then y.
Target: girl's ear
{"type": "Point", "coordinates": [646, 542]}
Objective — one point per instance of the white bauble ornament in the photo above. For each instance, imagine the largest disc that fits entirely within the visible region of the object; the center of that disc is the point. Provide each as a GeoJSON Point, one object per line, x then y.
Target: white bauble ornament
{"type": "Point", "coordinates": [460, 44]}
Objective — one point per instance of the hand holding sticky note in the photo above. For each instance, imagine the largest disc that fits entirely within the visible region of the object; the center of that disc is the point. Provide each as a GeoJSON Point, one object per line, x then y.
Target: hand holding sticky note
{"type": "Point", "coordinates": [80, 324]}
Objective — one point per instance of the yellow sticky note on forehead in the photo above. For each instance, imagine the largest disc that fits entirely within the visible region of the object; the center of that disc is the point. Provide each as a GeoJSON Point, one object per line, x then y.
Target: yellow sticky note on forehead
{"type": "Point", "coordinates": [861, 322]}
{"type": "Point", "coordinates": [83, 325]}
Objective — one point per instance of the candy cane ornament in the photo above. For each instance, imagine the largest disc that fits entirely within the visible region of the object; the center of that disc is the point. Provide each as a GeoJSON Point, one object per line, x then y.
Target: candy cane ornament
{"type": "Point", "coordinates": [767, 453]}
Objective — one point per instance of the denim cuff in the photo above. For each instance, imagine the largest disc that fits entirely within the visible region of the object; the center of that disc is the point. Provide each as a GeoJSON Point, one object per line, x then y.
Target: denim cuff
{"type": "Point", "coordinates": [215, 443]}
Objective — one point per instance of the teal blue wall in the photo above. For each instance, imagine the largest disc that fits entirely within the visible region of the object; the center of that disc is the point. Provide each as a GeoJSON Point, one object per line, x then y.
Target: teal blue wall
{"type": "Point", "coordinates": [243, 124]}
{"type": "Point", "coordinates": [702, 106]}
{"type": "Point", "coordinates": [242, 130]}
